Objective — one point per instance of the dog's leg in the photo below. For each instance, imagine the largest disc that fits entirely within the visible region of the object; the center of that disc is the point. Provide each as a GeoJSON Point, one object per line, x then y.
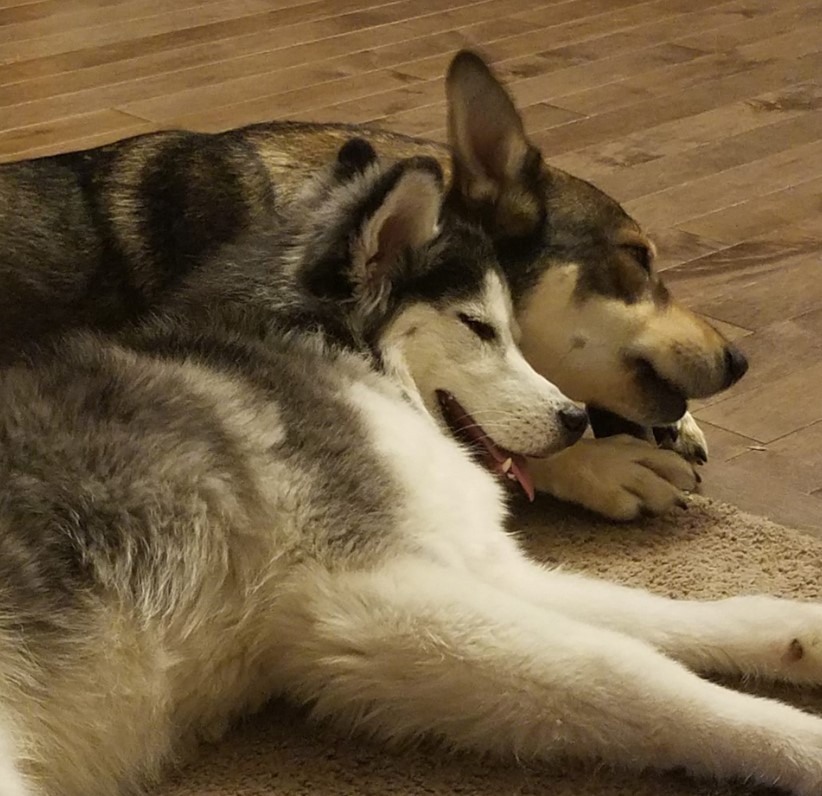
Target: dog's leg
{"type": "Point", "coordinates": [417, 648]}
{"type": "Point", "coordinates": [11, 783]}
{"type": "Point", "coordinates": [619, 477]}
{"type": "Point", "coordinates": [685, 437]}
{"type": "Point", "coordinates": [752, 635]}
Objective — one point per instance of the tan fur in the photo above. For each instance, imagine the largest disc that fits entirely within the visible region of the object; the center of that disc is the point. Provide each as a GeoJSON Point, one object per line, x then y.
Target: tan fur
{"type": "Point", "coordinates": [580, 339]}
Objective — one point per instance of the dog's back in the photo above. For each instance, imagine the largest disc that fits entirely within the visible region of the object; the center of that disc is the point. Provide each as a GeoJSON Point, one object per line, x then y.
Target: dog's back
{"type": "Point", "coordinates": [95, 239]}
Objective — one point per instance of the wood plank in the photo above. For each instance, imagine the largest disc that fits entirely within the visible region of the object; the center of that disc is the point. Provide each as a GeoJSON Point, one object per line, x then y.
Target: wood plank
{"type": "Point", "coordinates": [770, 212]}
{"type": "Point", "coordinates": [166, 108]}
{"type": "Point", "coordinates": [672, 153]}
{"type": "Point", "coordinates": [579, 39]}
{"type": "Point", "coordinates": [753, 284]}
{"type": "Point", "coordinates": [592, 40]}
{"type": "Point", "coordinates": [763, 487]}
{"type": "Point", "coordinates": [803, 447]}
{"type": "Point", "coordinates": [63, 19]}
{"type": "Point", "coordinates": [65, 41]}
{"type": "Point", "coordinates": [789, 407]}
{"type": "Point", "coordinates": [757, 177]}
{"type": "Point", "coordinates": [248, 33]}
{"type": "Point", "coordinates": [59, 135]}
{"type": "Point", "coordinates": [683, 102]}
{"type": "Point", "coordinates": [660, 82]}
{"type": "Point", "coordinates": [723, 445]}
{"type": "Point", "coordinates": [110, 66]}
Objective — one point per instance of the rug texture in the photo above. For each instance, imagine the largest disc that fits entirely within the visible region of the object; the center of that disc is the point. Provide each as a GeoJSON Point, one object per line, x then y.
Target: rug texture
{"type": "Point", "coordinates": [709, 551]}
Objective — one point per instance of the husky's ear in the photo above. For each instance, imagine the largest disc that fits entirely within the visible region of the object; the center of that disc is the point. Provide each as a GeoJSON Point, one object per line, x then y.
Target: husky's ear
{"type": "Point", "coordinates": [497, 172]}
{"type": "Point", "coordinates": [401, 214]}
{"type": "Point", "coordinates": [354, 157]}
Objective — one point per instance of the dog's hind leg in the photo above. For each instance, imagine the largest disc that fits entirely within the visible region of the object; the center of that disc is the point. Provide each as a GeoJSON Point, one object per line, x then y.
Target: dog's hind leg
{"type": "Point", "coordinates": [752, 635]}
{"type": "Point", "coordinates": [417, 649]}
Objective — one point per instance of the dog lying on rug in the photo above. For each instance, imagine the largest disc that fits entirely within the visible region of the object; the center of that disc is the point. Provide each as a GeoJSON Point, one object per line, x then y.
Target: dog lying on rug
{"type": "Point", "coordinates": [712, 552]}
{"type": "Point", "coordinates": [288, 481]}
{"type": "Point", "coordinates": [98, 238]}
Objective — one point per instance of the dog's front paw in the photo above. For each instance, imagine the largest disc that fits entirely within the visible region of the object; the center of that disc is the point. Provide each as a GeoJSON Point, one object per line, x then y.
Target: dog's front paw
{"type": "Point", "coordinates": [685, 437]}
{"type": "Point", "coordinates": [619, 477]}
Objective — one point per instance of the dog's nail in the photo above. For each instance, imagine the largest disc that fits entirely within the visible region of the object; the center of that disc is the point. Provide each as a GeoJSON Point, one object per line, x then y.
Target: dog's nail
{"type": "Point", "coordinates": [682, 503]}
{"type": "Point", "coordinates": [698, 477]}
{"type": "Point", "coordinates": [701, 455]}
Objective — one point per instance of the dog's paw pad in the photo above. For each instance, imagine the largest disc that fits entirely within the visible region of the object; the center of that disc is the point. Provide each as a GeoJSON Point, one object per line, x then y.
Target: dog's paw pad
{"type": "Point", "coordinates": [795, 652]}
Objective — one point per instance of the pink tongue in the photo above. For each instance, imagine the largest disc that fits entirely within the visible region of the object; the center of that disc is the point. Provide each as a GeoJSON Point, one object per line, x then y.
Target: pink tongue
{"type": "Point", "coordinates": [512, 466]}
{"type": "Point", "coordinates": [504, 463]}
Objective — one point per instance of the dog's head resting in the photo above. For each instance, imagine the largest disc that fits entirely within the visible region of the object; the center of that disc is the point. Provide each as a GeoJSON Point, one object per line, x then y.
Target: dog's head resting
{"type": "Point", "coordinates": [432, 303]}
{"type": "Point", "coordinates": [596, 319]}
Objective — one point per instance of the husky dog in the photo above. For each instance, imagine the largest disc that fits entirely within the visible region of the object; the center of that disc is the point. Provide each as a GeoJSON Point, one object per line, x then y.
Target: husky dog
{"type": "Point", "coordinates": [275, 487]}
{"type": "Point", "coordinates": [97, 238]}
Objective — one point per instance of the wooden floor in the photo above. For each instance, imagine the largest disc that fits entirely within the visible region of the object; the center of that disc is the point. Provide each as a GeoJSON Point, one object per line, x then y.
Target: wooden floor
{"type": "Point", "coordinates": [704, 117]}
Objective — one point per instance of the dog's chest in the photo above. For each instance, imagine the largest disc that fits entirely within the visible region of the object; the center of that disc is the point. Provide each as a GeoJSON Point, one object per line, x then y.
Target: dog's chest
{"type": "Point", "coordinates": [451, 507]}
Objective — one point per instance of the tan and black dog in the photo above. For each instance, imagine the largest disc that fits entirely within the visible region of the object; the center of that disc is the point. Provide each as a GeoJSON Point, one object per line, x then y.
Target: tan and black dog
{"type": "Point", "coordinates": [95, 238]}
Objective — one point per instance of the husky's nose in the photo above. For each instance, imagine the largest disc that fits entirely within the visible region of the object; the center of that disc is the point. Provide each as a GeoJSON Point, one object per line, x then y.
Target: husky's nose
{"type": "Point", "coordinates": [574, 419]}
{"type": "Point", "coordinates": [736, 366]}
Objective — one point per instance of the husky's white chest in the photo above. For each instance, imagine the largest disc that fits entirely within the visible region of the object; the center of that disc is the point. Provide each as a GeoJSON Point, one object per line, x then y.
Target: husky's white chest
{"type": "Point", "coordinates": [453, 508]}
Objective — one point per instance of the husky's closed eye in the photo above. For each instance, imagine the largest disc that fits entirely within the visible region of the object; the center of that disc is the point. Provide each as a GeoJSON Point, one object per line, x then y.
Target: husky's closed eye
{"type": "Point", "coordinates": [485, 331]}
{"type": "Point", "coordinates": [642, 254]}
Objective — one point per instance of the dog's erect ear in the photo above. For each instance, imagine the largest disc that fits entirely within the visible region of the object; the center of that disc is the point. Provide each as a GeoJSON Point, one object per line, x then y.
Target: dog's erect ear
{"type": "Point", "coordinates": [401, 214]}
{"type": "Point", "coordinates": [354, 157]}
{"type": "Point", "coordinates": [497, 174]}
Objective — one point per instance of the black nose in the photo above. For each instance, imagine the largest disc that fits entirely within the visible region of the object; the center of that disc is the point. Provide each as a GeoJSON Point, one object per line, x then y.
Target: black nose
{"type": "Point", "coordinates": [736, 366]}
{"type": "Point", "coordinates": [574, 418]}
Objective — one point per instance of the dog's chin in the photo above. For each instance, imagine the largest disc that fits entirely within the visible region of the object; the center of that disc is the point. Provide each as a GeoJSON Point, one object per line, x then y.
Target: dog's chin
{"type": "Point", "coordinates": [658, 400]}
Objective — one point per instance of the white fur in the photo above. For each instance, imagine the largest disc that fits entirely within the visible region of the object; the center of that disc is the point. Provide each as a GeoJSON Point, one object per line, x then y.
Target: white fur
{"type": "Point", "coordinates": [690, 442]}
{"type": "Point", "coordinates": [455, 632]}
{"type": "Point", "coordinates": [10, 782]}
{"type": "Point", "coordinates": [459, 634]}
{"type": "Point", "coordinates": [429, 347]}
{"type": "Point", "coordinates": [445, 627]}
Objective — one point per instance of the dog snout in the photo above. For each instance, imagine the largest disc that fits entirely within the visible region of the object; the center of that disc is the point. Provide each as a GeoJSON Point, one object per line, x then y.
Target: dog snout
{"type": "Point", "coordinates": [574, 419]}
{"type": "Point", "coordinates": [736, 365]}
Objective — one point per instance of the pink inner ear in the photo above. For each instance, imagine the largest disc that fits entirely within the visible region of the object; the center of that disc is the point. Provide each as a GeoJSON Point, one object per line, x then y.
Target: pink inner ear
{"type": "Point", "coordinates": [489, 146]}
{"type": "Point", "coordinates": [395, 233]}
{"type": "Point", "coordinates": [492, 133]}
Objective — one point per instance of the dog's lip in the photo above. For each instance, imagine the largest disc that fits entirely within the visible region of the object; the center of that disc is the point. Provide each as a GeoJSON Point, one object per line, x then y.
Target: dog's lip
{"type": "Point", "coordinates": [671, 400]}
{"type": "Point", "coordinates": [499, 460]}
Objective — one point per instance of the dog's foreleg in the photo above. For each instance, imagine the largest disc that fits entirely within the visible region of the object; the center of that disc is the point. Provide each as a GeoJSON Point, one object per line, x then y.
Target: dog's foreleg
{"type": "Point", "coordinates": [752, 635]}
{"type": "Point", "coordinates": [417, 649]}
{"type": "Point", "coordinates": [619, 477]}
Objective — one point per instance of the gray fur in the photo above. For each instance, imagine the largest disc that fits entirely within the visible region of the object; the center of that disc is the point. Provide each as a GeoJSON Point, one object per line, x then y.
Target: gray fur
{"type": "Point", "coordinates": [158, 486]}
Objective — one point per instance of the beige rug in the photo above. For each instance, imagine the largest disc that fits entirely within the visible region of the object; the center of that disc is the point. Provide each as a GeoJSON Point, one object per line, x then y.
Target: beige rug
{"type": "Point", "coordinates": [710, 550]}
